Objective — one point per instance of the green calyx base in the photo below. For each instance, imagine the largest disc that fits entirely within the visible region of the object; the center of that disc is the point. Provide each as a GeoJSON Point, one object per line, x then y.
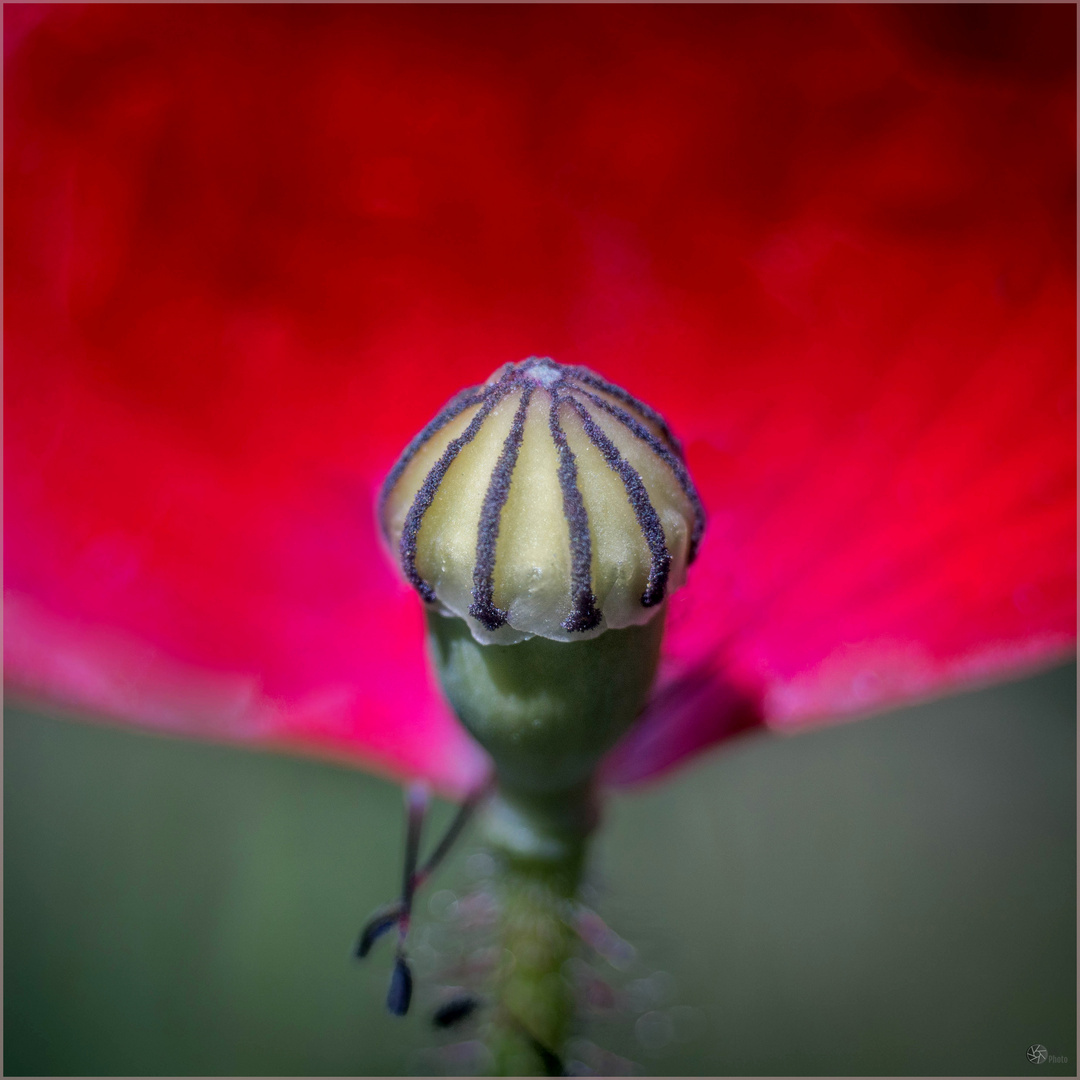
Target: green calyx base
{"type": "Point", "coordinates": [547, 712]}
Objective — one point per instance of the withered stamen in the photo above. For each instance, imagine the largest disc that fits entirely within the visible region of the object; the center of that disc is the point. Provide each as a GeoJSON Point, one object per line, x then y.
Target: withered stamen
{"type": "Point", "coordinates": [400, 992]}
{"type": "Point", "coordinates": [390, 915]}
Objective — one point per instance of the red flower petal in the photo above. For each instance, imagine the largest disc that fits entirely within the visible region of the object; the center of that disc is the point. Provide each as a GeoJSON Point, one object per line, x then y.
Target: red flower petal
{"type": "Point", "coordinates": [251, 250]}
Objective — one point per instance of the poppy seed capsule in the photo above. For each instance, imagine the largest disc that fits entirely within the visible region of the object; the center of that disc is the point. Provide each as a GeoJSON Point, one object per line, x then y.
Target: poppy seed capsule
{"type": "Point", "coordinates": [547, 502]}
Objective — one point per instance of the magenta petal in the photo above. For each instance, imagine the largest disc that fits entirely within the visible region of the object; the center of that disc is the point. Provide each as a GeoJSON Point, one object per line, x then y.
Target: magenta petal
{"type": "Point", "coordinates": [250, 250]}
{"type": "Point", "coordinates": [273, 621]}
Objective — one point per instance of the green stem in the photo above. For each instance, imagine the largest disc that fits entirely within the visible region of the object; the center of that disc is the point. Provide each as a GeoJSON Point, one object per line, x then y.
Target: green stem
{"type": "Point", "coordinates": [547, 712]}
{"type": "Point", "coordinates": [540, 863]}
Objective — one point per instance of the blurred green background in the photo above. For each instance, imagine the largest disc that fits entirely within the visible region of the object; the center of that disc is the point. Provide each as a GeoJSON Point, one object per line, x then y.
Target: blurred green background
{"type": "Point", "coordinates": [896, 895]}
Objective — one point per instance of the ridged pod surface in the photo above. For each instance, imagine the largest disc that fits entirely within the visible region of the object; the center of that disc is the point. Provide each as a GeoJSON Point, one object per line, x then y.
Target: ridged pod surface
{"type": "Point", "coordinates": [546, 502]}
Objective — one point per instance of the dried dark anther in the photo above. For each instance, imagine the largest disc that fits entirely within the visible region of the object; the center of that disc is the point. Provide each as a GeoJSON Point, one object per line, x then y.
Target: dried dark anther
{"type": "Point", "coordinates": [386, 918]}
{"type": "Point", "coordinates": [400, 994]}
{"type": "Point", "coordinates": [455, 1011]}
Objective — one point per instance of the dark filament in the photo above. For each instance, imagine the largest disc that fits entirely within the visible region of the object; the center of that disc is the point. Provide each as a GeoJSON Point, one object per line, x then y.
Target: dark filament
{"type": "Point", "coordinates": [461, 819]}
{"type": "Point", "coordinates": [653, 531]}
{"type": "Point", "coordinates": [483, 608]}
{"type": "Point", "coordinates": [390, 915]}
{"type": "Point", "coordinates": [416, 803]}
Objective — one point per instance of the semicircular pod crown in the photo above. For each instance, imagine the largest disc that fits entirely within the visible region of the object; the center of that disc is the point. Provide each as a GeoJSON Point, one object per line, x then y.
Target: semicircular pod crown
{"type": "Point", "coordinates": [545, 502]}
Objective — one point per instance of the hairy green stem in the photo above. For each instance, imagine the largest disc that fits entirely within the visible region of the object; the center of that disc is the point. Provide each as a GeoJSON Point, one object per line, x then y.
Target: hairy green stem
{"type": "Point", "coordinates": [540, 863]}
{"type": "Point", "coordinates": [547, 712]}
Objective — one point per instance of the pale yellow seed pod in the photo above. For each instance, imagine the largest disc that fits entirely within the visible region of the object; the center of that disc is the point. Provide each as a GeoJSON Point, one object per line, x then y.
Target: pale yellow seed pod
{"type": "Point", "coordinates": [546, 502]}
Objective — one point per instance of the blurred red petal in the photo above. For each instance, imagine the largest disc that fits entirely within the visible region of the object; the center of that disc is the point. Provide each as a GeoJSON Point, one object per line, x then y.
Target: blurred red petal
{"type": "Point", "coordinates": [250, 250]}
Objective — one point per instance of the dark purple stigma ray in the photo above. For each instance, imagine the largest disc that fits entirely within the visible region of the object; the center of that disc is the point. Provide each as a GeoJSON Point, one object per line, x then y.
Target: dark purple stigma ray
{"type": "Point", "coordinates": [647, 519]}
{"type": "Point", "coordinates": [584, 614]}
{"type": "Point", "coordinates": [673, 462]}
{"type": "Point", "coordinates": [453, 408]}
{"type": "Point", "coordinates": [590, 378]}
{"type": "Point", "coordinates": [428, 489]}
{"type": "Point", "coordinates": [483, 608]}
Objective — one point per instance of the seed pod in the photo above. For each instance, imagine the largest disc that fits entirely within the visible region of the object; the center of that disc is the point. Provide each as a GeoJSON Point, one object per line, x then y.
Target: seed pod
{"type": "Point", "coordinates": [546, 502]}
